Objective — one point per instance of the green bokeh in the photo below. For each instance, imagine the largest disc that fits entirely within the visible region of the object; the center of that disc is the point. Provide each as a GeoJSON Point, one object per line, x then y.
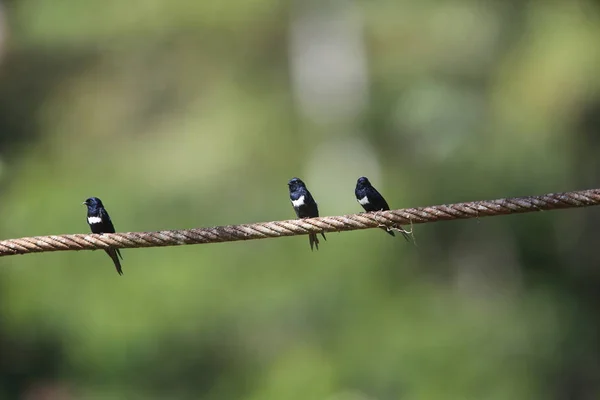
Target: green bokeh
{"type": "Point", "coordinates": [181, 114]}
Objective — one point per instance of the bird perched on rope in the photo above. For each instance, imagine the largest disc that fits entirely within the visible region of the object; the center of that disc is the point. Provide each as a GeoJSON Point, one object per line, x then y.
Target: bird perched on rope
{"type": "Point", "coordinates": [99, 222]}
{"type": "Point", "coordinates": [371, 200]}
{"type": "Point", "coordinates": [305, 206]}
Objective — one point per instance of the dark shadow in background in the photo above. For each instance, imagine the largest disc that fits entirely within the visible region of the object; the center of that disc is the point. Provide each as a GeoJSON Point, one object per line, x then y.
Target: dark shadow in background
{"type": "Point", "coordinates": [26, 80]}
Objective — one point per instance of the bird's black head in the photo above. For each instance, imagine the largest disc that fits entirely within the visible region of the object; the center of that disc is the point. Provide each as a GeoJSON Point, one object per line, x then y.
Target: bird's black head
{"type": "Point", "coordinates": [295, 184]}
{"type": "Point", "coordinates": [93, 202]}
{"type": "Point", "coordinates": [363, 182]}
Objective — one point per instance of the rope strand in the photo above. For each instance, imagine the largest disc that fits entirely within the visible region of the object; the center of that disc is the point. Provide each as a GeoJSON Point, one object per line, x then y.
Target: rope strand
{"type": "Point", "coordinates": [263, 230]}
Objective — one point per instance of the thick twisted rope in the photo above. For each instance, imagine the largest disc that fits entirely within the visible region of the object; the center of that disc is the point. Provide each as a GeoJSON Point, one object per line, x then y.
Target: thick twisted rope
{"type": "Point", "coordinates": [263, 230]}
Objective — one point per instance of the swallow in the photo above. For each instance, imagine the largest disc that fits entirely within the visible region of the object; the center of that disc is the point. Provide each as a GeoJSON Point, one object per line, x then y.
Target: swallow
{"type": "Point", "coordinates": [305, 206]}
{"type": "Point", "coordinates": [371, 200]}
{"type": "Point", "coordinates": [99, 222]}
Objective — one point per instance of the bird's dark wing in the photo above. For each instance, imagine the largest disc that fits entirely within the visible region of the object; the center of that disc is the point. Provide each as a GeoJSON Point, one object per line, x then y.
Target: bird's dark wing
{"type": "Point", "coordinates": [108, 227]}
{"type": "Point", "coordinates": [377, 199]}
{"type": "Point", "coordinates": [312, 210]}
{"type": "Point", "coordinates": [106, 221]}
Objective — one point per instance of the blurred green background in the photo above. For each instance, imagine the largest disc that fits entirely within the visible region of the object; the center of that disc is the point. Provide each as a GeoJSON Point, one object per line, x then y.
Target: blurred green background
{"type": "Point", "coordinates": [181, 113]}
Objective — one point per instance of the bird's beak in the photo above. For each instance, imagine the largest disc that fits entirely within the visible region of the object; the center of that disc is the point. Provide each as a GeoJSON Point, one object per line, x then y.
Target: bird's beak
{"type": "Point", "coordinates": [84, 203]}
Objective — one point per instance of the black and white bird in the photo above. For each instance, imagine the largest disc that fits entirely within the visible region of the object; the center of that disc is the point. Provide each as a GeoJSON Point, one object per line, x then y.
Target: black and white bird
{"type": "Point", "coordinates": [305, 206]}
{"type": "Point", "coordinates": [99, 222]}
{"type": "Point", "coordinates": [371, 200]}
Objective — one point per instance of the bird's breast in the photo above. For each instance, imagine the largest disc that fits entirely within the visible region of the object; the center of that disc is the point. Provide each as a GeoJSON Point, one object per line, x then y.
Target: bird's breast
{"type": "Point", "coordinates": [298, 202]}
{"type": "Point", "coordinates": [94, 220]}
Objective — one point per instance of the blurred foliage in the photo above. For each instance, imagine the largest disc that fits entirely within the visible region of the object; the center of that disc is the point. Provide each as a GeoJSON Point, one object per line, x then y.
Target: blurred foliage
{"type": "Point", "coordinates": [181, 114]}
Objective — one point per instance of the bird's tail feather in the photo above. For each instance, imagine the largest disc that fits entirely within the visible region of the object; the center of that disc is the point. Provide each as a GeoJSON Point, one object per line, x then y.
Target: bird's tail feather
{"type": "Point", "coordinates": [313, 240]}
{"type": "Point", "coordinates": [113, 255]}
